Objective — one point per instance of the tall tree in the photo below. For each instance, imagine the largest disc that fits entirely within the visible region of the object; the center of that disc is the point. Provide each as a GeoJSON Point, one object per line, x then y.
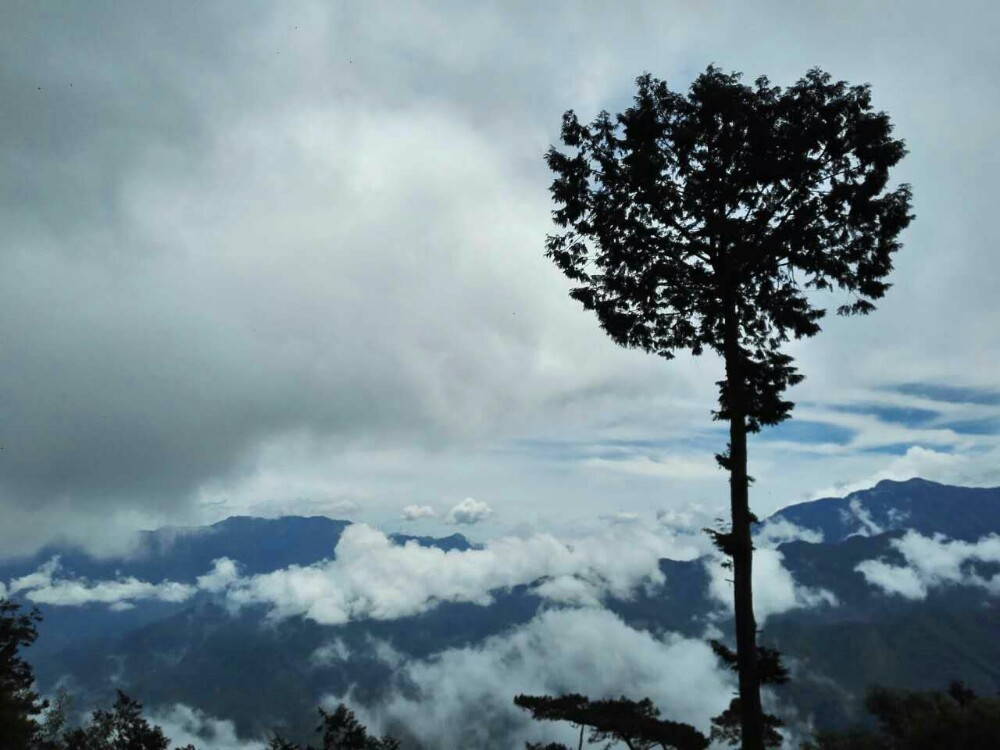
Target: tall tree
{"type": "Point", "coordinates": [711, 220]}
{"type": "Point", "coordinates": [19, 703]}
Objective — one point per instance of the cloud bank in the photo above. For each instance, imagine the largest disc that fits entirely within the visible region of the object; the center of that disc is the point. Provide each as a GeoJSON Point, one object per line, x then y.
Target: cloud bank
{"type": "Point", "coordinates": [43, 587]}
{"type": "Point", "coordinates": [932, 562]}
{"type": "Point", "coordinates": [462, 698]}
{"type": "Point", "coordinates": [373, 577]}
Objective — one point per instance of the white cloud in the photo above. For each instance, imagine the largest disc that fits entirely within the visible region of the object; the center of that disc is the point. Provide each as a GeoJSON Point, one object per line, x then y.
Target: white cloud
{"type": "Point", "coordinates": [666, 467]}
{"type": "Point", "coordinates": [469, 512]}
{"type": "Point", "coordinates": [931, 562]}
{"type": "Point", "coordinates": [43, 587]}
{"type": "Point", "coordinates": [925, 463]}
{"type": "Point", "coordinates": [38, 579]}
{"type": "Point", "coordinates": [372, 577]}
{"type": "Point", "coordinates": [416, 512]}
{"type": "Point", "coordinates": [774, 589]}
{"type": "Point", "coordinates": [462, 698]}
{"type": "Point", "coordinates": [856, 511]}
{"type": "Point", "coordinates": [223, 574]}
{"type": "Point", "coordinates": [184, 725]}
{"type": "Point", "coordinates": [773, 532]}
{"type": "Point", "coordinates": [330, 653]}
{"type": "Point", "coordinates": [122, 592]}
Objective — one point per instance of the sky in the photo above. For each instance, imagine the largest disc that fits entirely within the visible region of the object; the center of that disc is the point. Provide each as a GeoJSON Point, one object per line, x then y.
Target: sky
{"type": "Point", "coordinates": [267, 258]}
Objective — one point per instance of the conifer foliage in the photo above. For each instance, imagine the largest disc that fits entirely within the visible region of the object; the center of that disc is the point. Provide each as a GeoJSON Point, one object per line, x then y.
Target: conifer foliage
{"type": "Point", "coordinates": [717, 220]}
{"type": "Point", "coordinates": [636, 724]}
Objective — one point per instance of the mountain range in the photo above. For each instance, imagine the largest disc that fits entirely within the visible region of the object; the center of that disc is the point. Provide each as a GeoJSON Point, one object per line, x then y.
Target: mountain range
{"type": "Point", "coordinates": [897, 585]}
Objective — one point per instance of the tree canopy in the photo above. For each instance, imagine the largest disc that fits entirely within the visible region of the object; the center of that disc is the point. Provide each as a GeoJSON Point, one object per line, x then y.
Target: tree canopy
{"type": "Point", "coordinates": [717, 220]}
{"type": "Point", "coordinates": [637, 724]}
{"type": "Point", "coordinates": [733, 194]}
{"type": "Point", "coordinates": [19, 703]}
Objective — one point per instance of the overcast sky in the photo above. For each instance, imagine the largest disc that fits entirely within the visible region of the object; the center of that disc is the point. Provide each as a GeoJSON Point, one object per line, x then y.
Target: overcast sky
{"type": "Point", "coordinates": [289, 258]}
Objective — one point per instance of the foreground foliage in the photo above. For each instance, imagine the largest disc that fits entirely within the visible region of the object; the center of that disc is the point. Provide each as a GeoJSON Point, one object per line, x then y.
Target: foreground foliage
{"type": "Point", "coordinates": [956, 719]}
{"type": "Point", "coordinates": [340, 731]}
{"type": "Point", "coordinates": [637, 724]}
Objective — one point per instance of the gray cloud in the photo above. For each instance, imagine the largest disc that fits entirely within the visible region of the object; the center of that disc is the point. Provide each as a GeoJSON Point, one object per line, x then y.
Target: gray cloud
{"type": "Point", "coordinates": [243, 243]}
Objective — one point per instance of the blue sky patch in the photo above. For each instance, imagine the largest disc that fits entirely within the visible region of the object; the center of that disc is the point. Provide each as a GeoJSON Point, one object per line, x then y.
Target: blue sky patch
{"type": "Point", "coordinates": [804, 431]}
{"type": "Point", "coordinates": [949, 393]}
{"type": "Point", "coordinates": [901, 415]}
{"type": "Point", "coordinates": [984, 426]}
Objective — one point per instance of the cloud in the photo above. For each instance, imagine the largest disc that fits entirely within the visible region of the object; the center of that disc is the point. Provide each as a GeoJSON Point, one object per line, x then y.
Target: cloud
{"type": "Point", "coordinates": [184, 725]}
{"type": "Point", "coordinates": [224, 258]}
{"type": "Point", "coordinates": [329, 653]}
{"type": "Point", "coordinates": [931, 562]}
{"type": "Point", "coordinates": [774, 589]}
{"type": "Point", "coordinates": [224, 573]}
{"type": "Point", "coordinates": [373, 577]}
{"type": "Point", "coordinates": [925, 463]}
{"type": "Point", "coordinates": [42, 587]}
{"type": "Point", "coordinates": [775, 531]}
{"type": "Point", "coordinates": [463, 697]}
{"type": "Point", "coordinates": [668, 467]}
{"type": "Point", "coordinates": [469, 512]}
{"type": "Point", "coordinates": [856, 511]}
{"type": "Point", "coordinates": [416, 512]}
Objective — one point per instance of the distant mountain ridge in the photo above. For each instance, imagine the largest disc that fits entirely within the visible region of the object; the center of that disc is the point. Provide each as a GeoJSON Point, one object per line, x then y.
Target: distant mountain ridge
{"type": "Point", "coordinates": [966, 513]}
{"type": "Point", "coordinates": [198, 653]}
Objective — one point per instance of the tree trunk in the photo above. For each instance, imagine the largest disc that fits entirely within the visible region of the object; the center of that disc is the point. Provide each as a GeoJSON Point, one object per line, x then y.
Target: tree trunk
{"type": "Point", "coordinates": [751, 712]}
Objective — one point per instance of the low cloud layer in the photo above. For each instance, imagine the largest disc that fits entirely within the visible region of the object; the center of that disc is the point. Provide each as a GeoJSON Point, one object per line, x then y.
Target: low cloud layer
{"type": "Point", "coordinates": [775, 590]}
{"type": "Point", "coordinates": [462, 698]}
{"type": "Point", "coordinates": [932, 562]}
{"type": "Point", "coordinates": [44, 586]}
{"type": "Point", "coordinates": [372, 577]}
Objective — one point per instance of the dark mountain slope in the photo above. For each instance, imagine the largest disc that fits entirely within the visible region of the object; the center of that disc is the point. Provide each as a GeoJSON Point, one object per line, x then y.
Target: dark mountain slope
{"type": "Point", "coordinates": [928, 507]}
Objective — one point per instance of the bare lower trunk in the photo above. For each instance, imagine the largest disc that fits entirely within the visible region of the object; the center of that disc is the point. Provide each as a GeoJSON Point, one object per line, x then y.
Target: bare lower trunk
{"type": "Point", "coordinates": [751, 712]}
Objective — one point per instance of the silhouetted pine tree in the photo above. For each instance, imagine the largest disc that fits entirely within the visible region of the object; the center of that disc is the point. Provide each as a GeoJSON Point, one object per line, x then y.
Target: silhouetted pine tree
{"type": "Point", "coordinates": [635, 723]}
{"type": "Point", "coordinates": [706, 221]}
{"type": "Point", "coordinates": [19, 703]}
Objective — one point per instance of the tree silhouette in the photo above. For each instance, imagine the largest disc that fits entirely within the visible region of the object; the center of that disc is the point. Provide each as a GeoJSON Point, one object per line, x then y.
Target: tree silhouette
{"type": "Point", "coordinates": [957, 719]}
{"type": "Point", "coordinates": [712, 220]}
{"type": "Point", "coordinates": [19, 703]}
{"type": "Point", "coordinates": [634, 723]}
{"type": "Point", "coordinates": [121, 728]}
{"type": "Point", "coordinates": [340, 730]}
{"type": "Point", "coordinates": [726, 726]}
